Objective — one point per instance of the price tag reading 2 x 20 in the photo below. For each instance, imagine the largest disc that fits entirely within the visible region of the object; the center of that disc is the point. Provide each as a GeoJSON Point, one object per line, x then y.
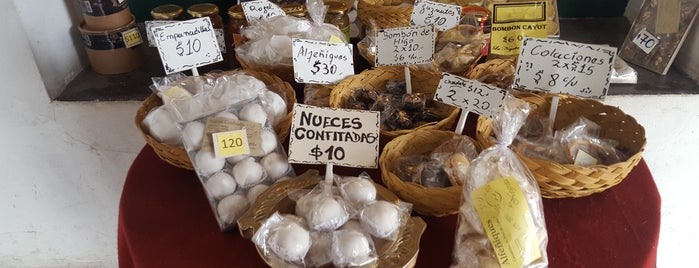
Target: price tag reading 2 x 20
{"type": "Point", "coordinates": [321, 62]}
{"type": "Point", "coordinates": [344, 137]}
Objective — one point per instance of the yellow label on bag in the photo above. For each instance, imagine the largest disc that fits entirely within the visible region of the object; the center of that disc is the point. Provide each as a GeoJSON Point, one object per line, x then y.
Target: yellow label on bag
{"type": "Point", "coordinates": [504, 213]}
{"type": "Point", "coordinates": [514, 21]}
{"type": "Point", "coordinates": [231, 143]}
{"type": "Point", "coordinates": [177, 93]}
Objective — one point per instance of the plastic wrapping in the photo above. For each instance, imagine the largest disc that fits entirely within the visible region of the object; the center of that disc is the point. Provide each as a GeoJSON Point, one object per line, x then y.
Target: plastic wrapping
{"type": "Point", "coordinates": [162, 125]}
{"type": "Point", "coordinates": [501, 204]}
{"type": "Point", "coordinates": [622, 73]}
{"type": "Point", "coordinates": [286, 237]}
{"type": "Point", "coordinates": [269, 41]}
{"type": "Point", "coordinates": [351, 248]}
{"type": "Point", "coordinates": [445, 166]}
{"type": "Point", "coordinates": [383, 219]}
{"type": "Point", "coordinates": [233, 183]}
{"type": "Point", "coordinates": [317, 95]}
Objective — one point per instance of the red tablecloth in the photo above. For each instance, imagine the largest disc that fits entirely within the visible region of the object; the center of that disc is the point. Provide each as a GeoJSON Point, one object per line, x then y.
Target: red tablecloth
{"type": "Point", "coordinates": [165, 221]}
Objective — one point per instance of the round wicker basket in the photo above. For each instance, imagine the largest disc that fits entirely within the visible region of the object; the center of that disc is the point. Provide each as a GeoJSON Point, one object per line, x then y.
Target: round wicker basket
{"type": "Point", "coordinates": [384, 14]}
{"type": "Point", "coordinates": [422, 82]}
{"type": "Point", "coordinates": [431, 201]}
{"type": "Point", "coordinates": [566, 180]}
{"type": "Point", "coordinates": [177, 155]}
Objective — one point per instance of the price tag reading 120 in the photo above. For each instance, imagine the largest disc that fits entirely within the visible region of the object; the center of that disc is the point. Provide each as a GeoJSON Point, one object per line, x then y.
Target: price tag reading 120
{"type": "Point", "coordinates": [344, 137]}
{"type": "Point", "coordinates": [321, 62]}
{"type": "Point", "coordinates": [470, 95]}
{"type": "Point", "coordinates": [559, 66]}
{"type": "Point", "coordinates": [187, 44]}
{"type": "Point", "coordinates": [405, 46]}
{"type": "Point", "coordinates": [231, 143]}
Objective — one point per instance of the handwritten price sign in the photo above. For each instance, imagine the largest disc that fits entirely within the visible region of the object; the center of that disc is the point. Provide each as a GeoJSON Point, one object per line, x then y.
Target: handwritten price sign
{"type": "Point", "coordinates": [565, 67]}
{"type": "Point", "coordinates": [405, 46]}
{"type": "Point", "coordinates": [321, 135]}
{"type": "Point", "coordinates": [442, 16]}
{"type": "Point", "coordinates": [187, 44]}
{"type": "Point", "coordinates": [470, 95]}
{"type": "Point", "coordinates": [259, 10]}
{"type": "Point", "coordinates": [321, 62]}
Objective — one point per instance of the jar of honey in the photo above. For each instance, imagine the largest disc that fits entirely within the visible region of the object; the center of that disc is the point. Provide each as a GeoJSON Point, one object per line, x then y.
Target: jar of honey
{"type": "Point", "coordinates": [211, 11]}
{"type": "Point", "coordinates": [337, 15]}
{"type": "Point", "coordinates": [236, 23]}
{"type": "Point", "coordinates": [167, 12]}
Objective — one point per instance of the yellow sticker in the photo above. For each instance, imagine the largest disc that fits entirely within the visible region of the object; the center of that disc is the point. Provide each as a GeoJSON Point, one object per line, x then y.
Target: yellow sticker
{"type": "Point", "coordinates": [177, 93]}
{"type": "Point", "coordinates": [335, 39]}
{"type": "Point", "coordinates": [582, 158]}
{"type": "Point", "coordinates": [504, 213]}
{"type": "Point", "coordinates": [132, 37]}
{"type": "Point", "coordinates": [514, 21]}
{"type": "Point", "coordinates": [231, 143]}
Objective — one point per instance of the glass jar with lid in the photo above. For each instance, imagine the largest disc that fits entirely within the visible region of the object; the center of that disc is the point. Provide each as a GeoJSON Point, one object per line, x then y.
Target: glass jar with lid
{"type": "Point", "coordinates": [296, 10]}
{"type": "Point", "coordinates": [167, 12]}
{"type": "Point", "coordinates": [236, 23]}
{"type": "Point", "coordinates": [211, 11]}
{"type": "Point", "coordinates": [337, 15]}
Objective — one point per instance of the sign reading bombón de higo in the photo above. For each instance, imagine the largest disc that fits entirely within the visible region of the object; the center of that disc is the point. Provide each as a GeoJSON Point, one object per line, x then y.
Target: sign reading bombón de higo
{"type": "Point", "coordinates": [344, 137]}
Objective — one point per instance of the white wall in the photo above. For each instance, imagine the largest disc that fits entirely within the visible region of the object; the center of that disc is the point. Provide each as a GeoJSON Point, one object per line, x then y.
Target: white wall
{"type": "Point", "coordinates": [50, 27]}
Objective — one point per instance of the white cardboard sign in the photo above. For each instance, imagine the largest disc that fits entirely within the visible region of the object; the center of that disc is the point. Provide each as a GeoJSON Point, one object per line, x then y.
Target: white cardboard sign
{"type": "Point", "coordinates": [320, 62]}
{"type": "Point", "coordinates": [187, 44]}
{"type": "Point", "coordinates": [470, 95]}
{"type": "Point", "coordinates": [149, 24]}
{"type": "Point", "coordinates": [260, 9]}
{"type": "Point", "coordinates": [405, 46]}
{"type": "Point", "coordinates": [344, 137]}
{"type": "Point", "coordinates": [560, 66]}
{"type": "Point", "coordinates": [442, 16]}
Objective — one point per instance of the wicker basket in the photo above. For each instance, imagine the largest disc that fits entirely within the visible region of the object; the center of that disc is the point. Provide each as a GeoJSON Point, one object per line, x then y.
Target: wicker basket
{"type": "Point", "coordinates": [384, 14]}
{"type": "Point", "coordinates": [431, 201]}
{"type": "Point", "coordinates": [567, 180]}
{"type": "Point", "coordinates": [285, 72]}
{"type": "Point", "coordinates": [399, 253]}
{"type": "Point", "coordinates": [496, 72]}
{"type": "Point", "coordinates": [422, 82]}
{"type": "Point", "coordinates": [177, 155]}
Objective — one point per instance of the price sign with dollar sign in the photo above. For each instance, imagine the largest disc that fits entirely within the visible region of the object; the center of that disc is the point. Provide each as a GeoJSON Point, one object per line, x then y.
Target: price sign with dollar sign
{"type": "Point", "coordinates": [405, 46]}
{"type": "Point", "coordinates": [560, 66]}
{"type": "Point", "coordinates": [344, 137]}
{"type": "Point", "coordinates": [442, 16]}
{"type": "Point", "coordinates": [187, 44]}
{"type": "Point", "coordinates": [320, 62]}
{"type": "Point", "coordinates": [470, 95]}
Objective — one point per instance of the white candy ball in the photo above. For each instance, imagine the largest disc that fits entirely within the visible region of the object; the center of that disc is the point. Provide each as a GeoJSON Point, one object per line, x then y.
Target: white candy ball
{"type": "Point", "coordinates": [352, 225]}
{"type": "Point", "coordinates": [248, 173]}
{"type": "Point", "coordinates": [253, 112]}
{"type": "Point", "coordinates": [358, 191]}
{"type": "Point", "coordinates": [231, 208]}
{"type": "Point", "coordinates": [255, 192]}
{"type": "Point", "coordinates": [274, 106]}
{"type": "Point", "coordinates": [207, 162]}
{"type": "Point", "coordinates": [275, 164]}
{"type": "Point", "coordinates": [162, 125]}
{"type": "Point", "coordinates": [381, 218]}
{"type": "Point", "coordinates": [227, 115]}
{"type": "Point", "coordinates": [269, 142]}
{"type": "Point", "coordinates": [327, 214]}
{"type": "Point", "coordinates": [351, 248]}
{"type": "Point", "coordinates": [193, 134]}
{"type": "Point", "coordinates": [281, 44]}
{"type": "Point", "coordinates": [237, 158]}
{"type": "Point", "coordinates": [290, 241]}
{"type": "Point", "coordinates": [220, 185]}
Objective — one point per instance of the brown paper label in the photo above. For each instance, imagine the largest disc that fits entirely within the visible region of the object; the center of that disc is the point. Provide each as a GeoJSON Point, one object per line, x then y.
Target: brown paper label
{"type": "Point", "coordinates": [218, 125]}
{"type": "Point", "coordinates": [667, 19]}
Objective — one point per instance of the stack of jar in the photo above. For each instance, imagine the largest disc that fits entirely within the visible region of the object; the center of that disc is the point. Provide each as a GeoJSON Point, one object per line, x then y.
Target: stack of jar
{"type": "Point", "coordinates": [110, 35]}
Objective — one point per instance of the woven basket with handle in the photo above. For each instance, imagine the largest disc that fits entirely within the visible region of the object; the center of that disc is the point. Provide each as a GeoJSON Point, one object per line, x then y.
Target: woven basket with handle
{"type": "Point", "coordinates": [177, 156]}
{"type": "Point", "coordinates": [422, 82]}
{"type": "Point", "coordinates": [431, 201]}
{"type": "Point", "coordinates": [567, 180]}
